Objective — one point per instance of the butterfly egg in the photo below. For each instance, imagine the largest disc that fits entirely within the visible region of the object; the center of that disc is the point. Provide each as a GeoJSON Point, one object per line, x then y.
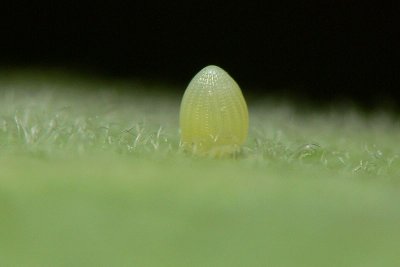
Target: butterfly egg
{"type": "Point", "coordinates": [213, 117]}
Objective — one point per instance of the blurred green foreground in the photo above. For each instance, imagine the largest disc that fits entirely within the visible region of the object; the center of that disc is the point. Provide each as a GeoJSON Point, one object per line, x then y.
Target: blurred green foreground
{"type": "Point", "coordinates": [92, 175]}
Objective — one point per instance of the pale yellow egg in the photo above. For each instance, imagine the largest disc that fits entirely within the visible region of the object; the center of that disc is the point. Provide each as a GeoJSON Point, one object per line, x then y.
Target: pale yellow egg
{"type": "Point", "coordinates": [214, 118]}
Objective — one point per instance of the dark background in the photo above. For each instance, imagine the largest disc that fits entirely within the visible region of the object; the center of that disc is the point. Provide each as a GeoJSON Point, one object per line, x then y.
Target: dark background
{"type": "Point", "coordinates": [322, 51]}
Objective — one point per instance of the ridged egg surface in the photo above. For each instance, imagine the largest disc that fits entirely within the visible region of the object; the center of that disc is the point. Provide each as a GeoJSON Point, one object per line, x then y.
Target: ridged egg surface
{"type": "Point", "coordinates": [213, 115]}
